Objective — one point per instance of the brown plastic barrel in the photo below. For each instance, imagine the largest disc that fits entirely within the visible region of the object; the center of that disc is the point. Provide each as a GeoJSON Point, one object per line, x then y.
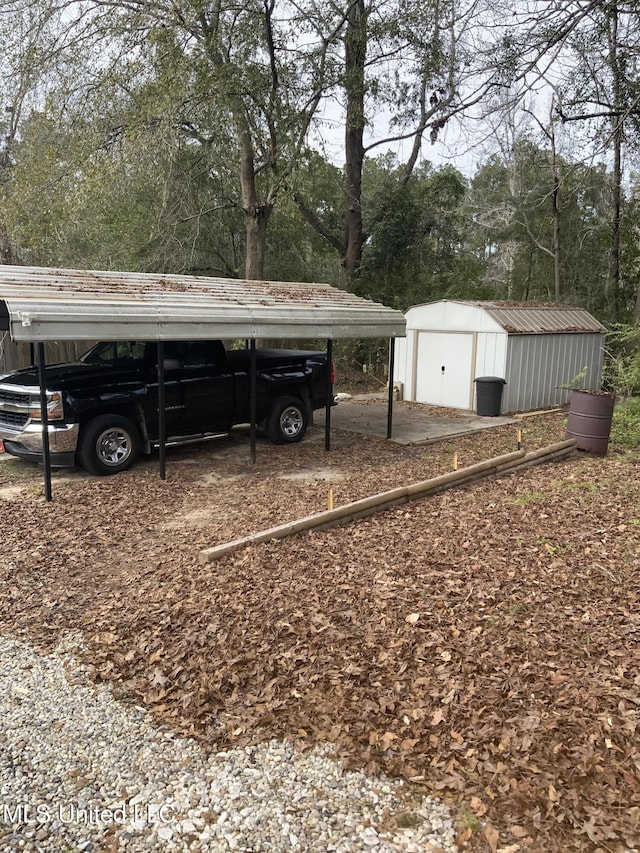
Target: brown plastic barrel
{"type": "Point", "coordinates": [590, 415]}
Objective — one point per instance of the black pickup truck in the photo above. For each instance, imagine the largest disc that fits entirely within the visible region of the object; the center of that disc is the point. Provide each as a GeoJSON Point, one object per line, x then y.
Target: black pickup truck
{"type": "Point", "coordinates": [103, 409]}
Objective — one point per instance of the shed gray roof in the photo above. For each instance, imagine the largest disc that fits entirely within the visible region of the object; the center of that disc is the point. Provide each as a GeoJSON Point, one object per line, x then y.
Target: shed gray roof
{"type": "Point", "coordinates": [540, 318]}
{"type": "Point", "coordinates": [41, 304]}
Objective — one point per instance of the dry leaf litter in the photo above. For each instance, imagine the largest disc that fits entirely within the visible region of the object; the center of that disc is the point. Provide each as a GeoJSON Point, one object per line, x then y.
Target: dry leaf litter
{"type": "Point", "coordinates": [78, 769]}
{"type": "Point", "coordinates": [481, 644]}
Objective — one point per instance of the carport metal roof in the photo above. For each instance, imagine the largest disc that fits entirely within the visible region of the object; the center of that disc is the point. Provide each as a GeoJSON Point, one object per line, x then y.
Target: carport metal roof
{"type": "Point", "coordinates": [42, 304]}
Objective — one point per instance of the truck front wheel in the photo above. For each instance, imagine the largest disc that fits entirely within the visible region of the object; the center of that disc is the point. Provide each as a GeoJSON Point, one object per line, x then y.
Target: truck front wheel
{"type": "Point", "coordinates": [108, 444]}
{"type": "Point", "coordinates": [287, 421]}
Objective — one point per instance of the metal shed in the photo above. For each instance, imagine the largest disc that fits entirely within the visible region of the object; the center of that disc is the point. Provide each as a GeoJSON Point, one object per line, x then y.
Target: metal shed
{"type": "Point", "coordinates": [534, 347]}
{"type": "Point", "coordinates": [39, 305]}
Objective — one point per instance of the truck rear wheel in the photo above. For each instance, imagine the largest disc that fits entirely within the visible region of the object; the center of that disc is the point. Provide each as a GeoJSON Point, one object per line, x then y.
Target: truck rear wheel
{"type": "Point", "coordinates": [287, 421]}
{"type": "Point", "coordinates": [108, 444]}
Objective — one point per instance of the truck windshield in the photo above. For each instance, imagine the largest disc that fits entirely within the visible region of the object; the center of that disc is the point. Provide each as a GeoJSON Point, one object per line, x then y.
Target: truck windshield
{"type": "Point", "coordinates": [115, 352]}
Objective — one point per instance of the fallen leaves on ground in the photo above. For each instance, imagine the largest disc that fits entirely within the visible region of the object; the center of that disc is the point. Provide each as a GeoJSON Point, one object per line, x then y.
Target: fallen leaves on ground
{"type": "Point", "coordinates": [482, 643]}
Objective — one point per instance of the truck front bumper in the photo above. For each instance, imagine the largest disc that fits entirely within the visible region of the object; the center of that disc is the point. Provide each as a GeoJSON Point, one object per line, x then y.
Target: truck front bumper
{"type": "Point", "coordinates": [27, 443]}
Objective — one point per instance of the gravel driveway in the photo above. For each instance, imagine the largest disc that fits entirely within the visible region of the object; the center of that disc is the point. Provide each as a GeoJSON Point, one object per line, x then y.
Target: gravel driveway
{"type": "Point", "coordinates": [80, 770]}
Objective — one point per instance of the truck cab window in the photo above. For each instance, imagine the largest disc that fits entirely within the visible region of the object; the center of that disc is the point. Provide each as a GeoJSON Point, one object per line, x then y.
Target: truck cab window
{"type": "Point", "coordinates": [198, 354]}
{"type": "Point", "coordinates": [114, 352]}
{"type": "Point", "coordinates": [180, 354]}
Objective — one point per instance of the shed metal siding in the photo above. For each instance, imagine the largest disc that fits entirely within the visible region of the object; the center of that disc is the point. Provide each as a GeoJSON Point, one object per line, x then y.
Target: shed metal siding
{"type": "Point", "coordinates": [491, 354]}
{"type": "Point", "coordinates": [537, 364]}
{"type": "Point", "coordinates": [400, 361]}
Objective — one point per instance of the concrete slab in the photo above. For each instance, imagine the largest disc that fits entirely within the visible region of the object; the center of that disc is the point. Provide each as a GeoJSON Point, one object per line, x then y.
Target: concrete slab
{"type": "Point", "coordinates": [413, 423]}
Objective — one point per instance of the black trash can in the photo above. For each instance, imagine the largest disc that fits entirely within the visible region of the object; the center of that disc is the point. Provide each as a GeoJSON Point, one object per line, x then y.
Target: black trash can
{"type": "Point", "coordinates": [489, 395]}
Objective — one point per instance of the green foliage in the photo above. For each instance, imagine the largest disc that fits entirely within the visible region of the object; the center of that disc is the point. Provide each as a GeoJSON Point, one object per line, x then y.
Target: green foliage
{"type": "Point", "coordinates": [417, 246]}
{"type": "Point", "coordinates": [510, 204]}
{"type": "Point", "coordinates": [296, 252]}
{"type": "Point", "coordinates": [369, 355]}
{"type": "Point", "coordinates": [576, 381]}
{"type": "Point", "coordinates": [630, 252]}
{"type": "Point", "coordinates": [622, 360]}
{"type": "Point", "coordinates": [625, 427]}
{"type": "Point", "coordinates": [122, 191]}
{"type": "Point", "coordinates": [133, 164]}
{"type": "Point", "coordinates": [529, 497]}
{"type": "Point", "coordinates": [178, 125]}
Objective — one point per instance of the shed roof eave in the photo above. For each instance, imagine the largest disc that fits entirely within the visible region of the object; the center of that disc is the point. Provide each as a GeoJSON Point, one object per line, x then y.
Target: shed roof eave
{"type": "Point", "coordinates": [526, 317]}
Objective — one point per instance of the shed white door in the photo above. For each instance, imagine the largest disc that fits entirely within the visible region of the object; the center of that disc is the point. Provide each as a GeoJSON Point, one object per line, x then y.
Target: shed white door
{"type": "Point", "coordinates": [444, 369]}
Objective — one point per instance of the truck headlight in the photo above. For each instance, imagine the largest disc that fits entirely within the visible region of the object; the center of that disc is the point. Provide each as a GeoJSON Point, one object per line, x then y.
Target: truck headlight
{"type": "Point", "coordinates": [55, 410]}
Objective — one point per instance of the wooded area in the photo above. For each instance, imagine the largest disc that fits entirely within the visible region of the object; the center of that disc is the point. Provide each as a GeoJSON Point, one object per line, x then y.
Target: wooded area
{"type": "Point", "coordinates": [200, 138]}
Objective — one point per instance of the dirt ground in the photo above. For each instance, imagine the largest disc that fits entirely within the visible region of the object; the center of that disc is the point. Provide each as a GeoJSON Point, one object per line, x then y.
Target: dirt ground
{"type": "Point", "coordinates": [482, 643]}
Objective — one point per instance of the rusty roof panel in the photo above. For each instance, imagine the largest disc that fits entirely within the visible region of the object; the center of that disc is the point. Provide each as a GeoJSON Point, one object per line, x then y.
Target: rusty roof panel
{"type": "Point", "coordinates": [531, 318]}
{"type": "Point", "coordinates": [62, 304]}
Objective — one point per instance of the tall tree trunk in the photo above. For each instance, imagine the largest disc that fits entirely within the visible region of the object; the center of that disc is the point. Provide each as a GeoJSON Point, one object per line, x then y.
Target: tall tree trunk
{"type": "Point", "coordinates": [555, 203]}
{"type": "Point", "coordinates": [614, 252]}
{"type": "Point", "coordinates": [550, 133]}
{"type": "Point", "coordinates": [256, 220]}
{"type": "Point", "coordinates": [555, 193]}
{"type": "Point", "coordinates": [514, 197]}
{"type": "Point", "coordinates": [6, 255]}
{"type": "Point", "coordinates": [355, 57]}
{"type": "Point", "coordinates": [617, 129]}
{"type": "Point", "coordinates": [256, 210]}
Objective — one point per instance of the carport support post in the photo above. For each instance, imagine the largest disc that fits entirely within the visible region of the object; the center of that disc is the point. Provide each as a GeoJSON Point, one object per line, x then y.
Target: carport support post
{"type": "Point", "coordinates": [329, 400]}
{"type": "Point", "coordinates": [162, 422]}
{"type": "Point", "coordinates": [392, 353]}
{"type": "Point", "coordinates": [253, 408]}
{"type": "Point", "coordinates": [44, 417]}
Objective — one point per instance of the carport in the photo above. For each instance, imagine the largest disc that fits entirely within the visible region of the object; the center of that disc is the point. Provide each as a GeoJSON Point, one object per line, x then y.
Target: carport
{"type": "Point", "coordinates": [40, 305]}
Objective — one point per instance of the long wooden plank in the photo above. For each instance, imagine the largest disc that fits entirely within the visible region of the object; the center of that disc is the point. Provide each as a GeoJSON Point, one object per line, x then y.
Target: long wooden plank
{"type": "Point", "coordinates": [394, 497]}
